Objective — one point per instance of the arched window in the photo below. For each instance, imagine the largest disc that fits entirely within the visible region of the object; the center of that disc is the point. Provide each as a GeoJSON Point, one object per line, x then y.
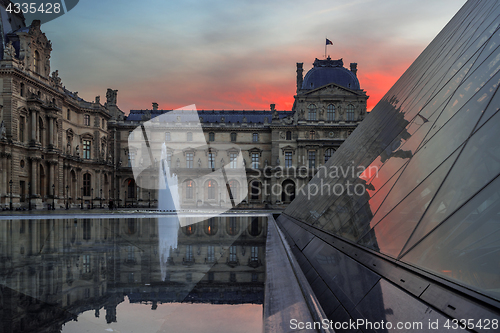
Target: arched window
{"type": "Point", "coordinates": [211, 226]}
{"type": "Point", "coordinates": [211, 189]}
{"type": "Point", "coordinates": [36, 62]}
{"type": "Point", "coordinates": [330, 112]}
{"type": "Point", "coordinates": [311, 115]}
{"type": "Point", "coordinates": [189, 189]}
{"type": "Point", "coordinates": [328, 153]}
{"type": "Point", "coordinates": [255, 190]}
{"type": "Point", "coordinates": [86, 120]}
{"type": "Point", "coordinates": [189, 136]}
{"type": "Point", "coordinates": [86, 184]}
{"type": "Point", "coordinates": [233, 137]}
{"type": "Point", "coordinates": [131, 189]}
{"type": "Point", "coordinates": [189, 229]}
{"type": "Point", "coordinates": [211, 136]}
{"type": "Point", "coordinates": [288, 135]}
{"type": "Point", "coordinates": [350, 112]}
{"type": "Point", "coordinates": [232, 226]}
{"type": "Point", "coordinates": [255, 226]}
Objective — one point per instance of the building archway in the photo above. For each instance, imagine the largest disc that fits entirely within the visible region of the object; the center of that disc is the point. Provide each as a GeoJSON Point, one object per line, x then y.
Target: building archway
{"type": "Point", "coordinates": [287, 191]}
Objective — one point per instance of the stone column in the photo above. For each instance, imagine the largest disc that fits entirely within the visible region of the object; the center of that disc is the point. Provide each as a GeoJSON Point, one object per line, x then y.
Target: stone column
{"type": "Point", "coordinates": [51, 130]}
{"type": "Point", "coordinates": [33, 125]}
{"type": "Point", "coordinates": [34, 181]}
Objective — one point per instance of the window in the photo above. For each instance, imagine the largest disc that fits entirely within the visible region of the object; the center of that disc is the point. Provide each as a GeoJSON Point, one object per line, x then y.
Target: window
{"type": "Point", "coordinates": [312, 135]}
{"type": "Point", "coordinates": [255, 137]}
{"type": "Point", "coordinates": [288, 135]}
{"type": "Point", "coordinates": [211, 190]}
{"type": "Point", "coordinates": [169, 159]}
{"type": "Point", "coordinates": [233, 137]}
{"type": "Point", "coordinates": [254, 256]}
{"type": "Point", "coordinates": [36, 62]}
{"type": "Point", "coordinates": [312, 159]}
{"type": "Point", "coordinates": [189, 160]}
{"type": "Point", "coordinates": [86, 120]}
{"type": "Point", "coordinates": [86, 184]}
{"type": "Point", "coordinates": [68, 114]}
{"type": "Point", "coordinates": [328, 153]}
{"type": "Point", "coordinates": [211, 136]}
{"type": "Point", "coordinates": [130, 253]}
{"type": "Point", "coordinates": [232, 254]}
{"type": "Point", "coordinates": [86, 149]}
{"type": "Point", "coordinates": [211, 253]}
{"type": "Point", "coordinates": [86, 263]}
{"type": "Point", "coordinates": [21, 129]}
{"type": "Point", "coordinates": [167, 136]}
{"type": "Point", "coordinates": [330, 112]}
{"type": "Point", "coordinates": [311, 115]}
{"type": "Point", "coordinates": [131, 158]}
{"type": "Point", "coordinates": [189, 189]}
{"type": "Point", "coordinates": [211, 160]}
{"type": "Point", "coordinates": [255, 160]}
{"type": "Point", "coordinates": [86, 229]}
{"type": "Point", "coordinates": [21, 89]}
{"type": "Point", "coordinates": [233, 159]}
{"type": "Point", "coordinates": [288, 159]}
{"type": "Point", "coordinates": [189, 253]}
{"type": "Point", "coordinates": [103, 124]}
{"type": "Point", "coordinates": [350, 112]}
{"type": "Point", "coordinates": [189, 230]}
{"type": "Point", "coordinates": [189, 136]}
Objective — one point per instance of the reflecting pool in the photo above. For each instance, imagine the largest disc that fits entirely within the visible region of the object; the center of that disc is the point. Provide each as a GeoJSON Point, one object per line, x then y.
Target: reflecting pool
{"type": "Point", "coordinates": [132, 274]}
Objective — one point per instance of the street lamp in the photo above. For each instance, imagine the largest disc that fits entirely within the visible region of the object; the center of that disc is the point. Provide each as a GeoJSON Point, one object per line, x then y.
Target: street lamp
{"type": "Point", "coordinates": [100, 199]}
{"type": "Point", "coordinates": [125, 200]}
{"type": "Point", "coordinates": [149, 199]}
{"type": "Point", "coordinates": [53, 196]}
{"type": "Point", "coordinates": [81, 199]}
{"type": "Point", "coordinates": [29, 195]}
{"type": "Point", "coordinates": [67, 197]}
{"type": "Point", "coordinates": [92, 198]}
{"type": "Point", "coordinates": [109, 197]}
{"type": "Point", "coordinates": [10, 194]}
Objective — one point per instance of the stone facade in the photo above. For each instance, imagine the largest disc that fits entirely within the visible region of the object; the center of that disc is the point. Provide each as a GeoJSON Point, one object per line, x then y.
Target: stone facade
{"type": "Point", "coordinates": [58, 149]}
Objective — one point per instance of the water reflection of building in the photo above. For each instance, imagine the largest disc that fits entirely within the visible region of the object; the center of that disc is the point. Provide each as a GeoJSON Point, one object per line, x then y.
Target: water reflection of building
{"type": "Point", "coordinates": [53, 270]}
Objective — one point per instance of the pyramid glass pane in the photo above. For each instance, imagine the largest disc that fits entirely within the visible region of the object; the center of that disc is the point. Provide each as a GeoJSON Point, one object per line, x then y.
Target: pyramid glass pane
{"type": "Point", "coordinates": [433, 140]}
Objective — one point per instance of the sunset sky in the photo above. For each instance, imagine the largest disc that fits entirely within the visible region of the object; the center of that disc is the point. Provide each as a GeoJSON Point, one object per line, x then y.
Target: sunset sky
{"type": "Point", "coordinates": [234, 54]}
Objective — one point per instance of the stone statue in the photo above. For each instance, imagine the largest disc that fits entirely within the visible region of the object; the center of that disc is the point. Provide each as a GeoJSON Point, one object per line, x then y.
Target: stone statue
{"type": "Point", "coordinates": [9, 52]}
{"type": "Point", "coordinates": [282, 135]}
{"type": "Point", "coordinates": [55, 78]}
{"type": "Point", "coordinates": [199, 163]}
{"type": "Point", "coordinates": [111, 96]}
{"type": "Point", "coordinates": [77, 150]}
{"type": "Point", "coordinates": [302, 115]}
{"type": "Point", "coordinates": [278, 161]}
{"type": "Point", "coordinates": [178, 163]}
{"type": "Point", "coordinates": [3, 133]}
{"type": "Point", "coordinates": [265, 163]}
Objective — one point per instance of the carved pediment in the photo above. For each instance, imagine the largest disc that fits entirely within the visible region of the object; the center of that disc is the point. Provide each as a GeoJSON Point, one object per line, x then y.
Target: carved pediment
{"type": "Point", "coordinates": [331, 89]}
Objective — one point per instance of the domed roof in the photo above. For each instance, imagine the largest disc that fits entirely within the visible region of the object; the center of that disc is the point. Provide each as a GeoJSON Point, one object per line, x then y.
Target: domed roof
{"type": "Point", "coordinates": [330, 71]}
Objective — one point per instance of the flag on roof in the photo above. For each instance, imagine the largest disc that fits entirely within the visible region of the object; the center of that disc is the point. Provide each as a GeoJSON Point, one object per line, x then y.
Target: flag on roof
{"type": "Point", "coordinates": [328, 42]}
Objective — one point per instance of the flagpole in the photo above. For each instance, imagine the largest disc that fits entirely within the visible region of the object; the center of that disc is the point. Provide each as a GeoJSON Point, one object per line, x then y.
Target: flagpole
{"type": "Point", "coordinates": [325, 47]}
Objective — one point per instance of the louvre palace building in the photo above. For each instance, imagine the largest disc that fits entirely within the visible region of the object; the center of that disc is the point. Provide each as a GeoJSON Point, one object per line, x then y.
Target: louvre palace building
{"type": "Point", "coordinates": [57, 149]}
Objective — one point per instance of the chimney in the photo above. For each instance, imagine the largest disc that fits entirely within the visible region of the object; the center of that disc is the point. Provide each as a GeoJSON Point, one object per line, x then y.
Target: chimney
{"type": "Point", "coordinates": [354, 68]}
{"type": "Point", "coordinates": [300, 76]}
{"type": "Point", "coordinates": [155, 106]}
